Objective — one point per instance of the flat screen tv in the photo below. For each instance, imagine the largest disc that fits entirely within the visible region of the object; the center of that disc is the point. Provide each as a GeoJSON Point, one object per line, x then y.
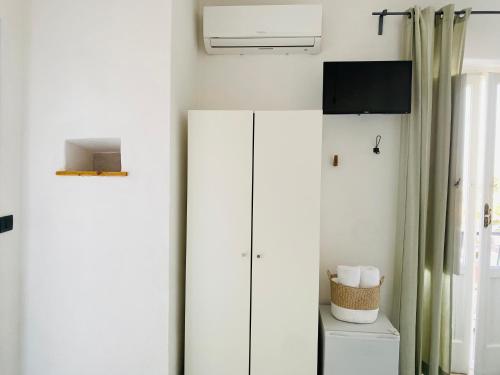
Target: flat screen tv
{"type": "Point", "coordinates": [357, 87]}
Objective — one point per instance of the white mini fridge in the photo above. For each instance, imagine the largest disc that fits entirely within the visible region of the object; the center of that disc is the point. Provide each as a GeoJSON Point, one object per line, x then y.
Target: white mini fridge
{"type": "Point", "coordinates": [355, 349]}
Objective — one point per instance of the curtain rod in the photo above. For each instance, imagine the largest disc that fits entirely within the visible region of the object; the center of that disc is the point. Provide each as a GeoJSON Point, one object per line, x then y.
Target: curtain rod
{"type": "Point", "coordinates": [385, 12]}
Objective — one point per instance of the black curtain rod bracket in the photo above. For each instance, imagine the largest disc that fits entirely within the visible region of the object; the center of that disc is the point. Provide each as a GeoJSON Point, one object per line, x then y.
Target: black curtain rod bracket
{"type": "Point", "coordinates": [381, 22]}
{"type": "Point", "coordinates": [386, 13]}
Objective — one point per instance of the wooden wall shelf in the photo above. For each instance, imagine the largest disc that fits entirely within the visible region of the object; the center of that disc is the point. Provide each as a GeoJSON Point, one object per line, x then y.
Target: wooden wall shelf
{"type": "Point", "coordinates": [92, 173]}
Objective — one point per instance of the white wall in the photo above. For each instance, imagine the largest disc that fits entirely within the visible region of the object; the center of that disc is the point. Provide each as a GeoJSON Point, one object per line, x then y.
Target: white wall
{"type": "Point", "coordinates": [96, 249]}
{"type": "Point", "coordinates": [358, 217]}
{"type": "Point", "coordinates": [184, 78]}
{"type": "Point", "coordinates": [13, 44]}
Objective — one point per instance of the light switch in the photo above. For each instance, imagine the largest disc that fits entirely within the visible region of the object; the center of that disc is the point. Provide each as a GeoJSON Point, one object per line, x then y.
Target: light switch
{"type": "Point", "coordinates": [6, 223]}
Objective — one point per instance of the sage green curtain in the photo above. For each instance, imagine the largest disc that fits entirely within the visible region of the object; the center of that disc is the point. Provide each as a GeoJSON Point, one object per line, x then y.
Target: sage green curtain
{"type": "Point", "coordinates": [422, 294]}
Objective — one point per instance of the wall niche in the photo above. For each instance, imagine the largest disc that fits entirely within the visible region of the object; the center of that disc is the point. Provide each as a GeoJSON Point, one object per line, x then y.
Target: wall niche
{"type": "Point", "coordinates": [93, 157]}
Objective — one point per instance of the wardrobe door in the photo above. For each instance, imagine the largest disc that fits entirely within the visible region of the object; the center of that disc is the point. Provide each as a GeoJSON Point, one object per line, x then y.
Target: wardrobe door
{"type": "Point", "coordinates": [287, 174]}
{"type": "Point", "coordinates": [219, 211]}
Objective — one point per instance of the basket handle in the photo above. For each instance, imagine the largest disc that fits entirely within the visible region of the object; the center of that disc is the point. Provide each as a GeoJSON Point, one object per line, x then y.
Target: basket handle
{"type": "Point", "coordinates": [330, 276]}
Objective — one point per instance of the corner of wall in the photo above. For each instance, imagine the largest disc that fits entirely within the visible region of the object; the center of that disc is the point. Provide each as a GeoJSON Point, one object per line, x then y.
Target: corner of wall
{"type": "Point", "coordinates": [185, 47]}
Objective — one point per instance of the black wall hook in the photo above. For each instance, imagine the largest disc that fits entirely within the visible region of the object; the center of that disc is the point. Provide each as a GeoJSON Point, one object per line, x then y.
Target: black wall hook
{"type": "Point", "coordinates": [376, 149]}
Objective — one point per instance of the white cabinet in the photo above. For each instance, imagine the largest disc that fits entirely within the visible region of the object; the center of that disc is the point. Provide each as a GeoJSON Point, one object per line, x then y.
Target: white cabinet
{"type": "Point", "coordinates": [219, 242]}
{"type": "Point", "coordinates": [253, 242]}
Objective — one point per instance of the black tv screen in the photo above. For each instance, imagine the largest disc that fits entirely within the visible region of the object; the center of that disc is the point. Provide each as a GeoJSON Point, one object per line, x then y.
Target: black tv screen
{"type": "Point", "coordinates": [357, 87]}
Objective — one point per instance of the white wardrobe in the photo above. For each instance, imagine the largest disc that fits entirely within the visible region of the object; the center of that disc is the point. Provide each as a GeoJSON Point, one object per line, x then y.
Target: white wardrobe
{"type": "Point", "coordinates": [253, 242]}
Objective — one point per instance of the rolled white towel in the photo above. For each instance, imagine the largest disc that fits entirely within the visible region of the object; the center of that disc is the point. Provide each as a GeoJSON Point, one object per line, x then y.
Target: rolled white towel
{"type": "Point", "coordinates": [370, 277]}
{"type": "Point", "coordinates": [349, 276]}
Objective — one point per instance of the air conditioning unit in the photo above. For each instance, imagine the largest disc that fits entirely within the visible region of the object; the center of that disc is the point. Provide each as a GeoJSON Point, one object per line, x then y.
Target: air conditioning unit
{"type": "Point", "coordinates": [272, 29]}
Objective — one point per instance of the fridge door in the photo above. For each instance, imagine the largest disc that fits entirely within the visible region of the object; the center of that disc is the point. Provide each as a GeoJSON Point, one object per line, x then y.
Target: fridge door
{"type": "Point", "coordinates": [352, 349]}
{"type": "Point", "coordinates": [352, 355]}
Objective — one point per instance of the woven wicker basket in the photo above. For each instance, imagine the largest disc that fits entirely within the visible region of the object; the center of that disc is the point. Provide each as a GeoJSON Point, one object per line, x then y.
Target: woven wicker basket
{"type": "Point", "coordinates": [354, 298]}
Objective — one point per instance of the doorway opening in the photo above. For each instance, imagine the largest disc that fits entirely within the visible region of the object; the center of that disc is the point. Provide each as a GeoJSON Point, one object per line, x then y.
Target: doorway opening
{"type": "Point", "coordinates": [476, 279]}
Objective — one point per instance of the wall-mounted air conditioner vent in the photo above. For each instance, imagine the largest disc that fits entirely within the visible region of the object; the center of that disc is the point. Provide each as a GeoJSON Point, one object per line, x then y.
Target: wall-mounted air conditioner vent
{"type": "Point", "coordinates": [262, 29]}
